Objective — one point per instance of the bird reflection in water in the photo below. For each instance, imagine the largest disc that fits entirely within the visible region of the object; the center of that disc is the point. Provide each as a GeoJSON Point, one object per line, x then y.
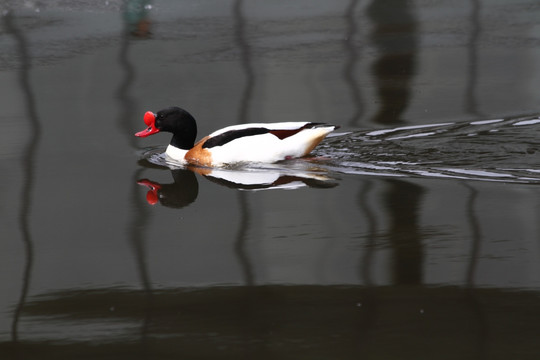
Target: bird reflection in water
{"type": "Point", "coordinates": [185, 188]}
{"type": "Point", "coordinates": [178, 194]}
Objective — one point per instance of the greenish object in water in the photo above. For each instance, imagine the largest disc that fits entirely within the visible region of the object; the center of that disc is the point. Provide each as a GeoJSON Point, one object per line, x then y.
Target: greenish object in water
{"type": "Point", "coordinates": [136, 16]}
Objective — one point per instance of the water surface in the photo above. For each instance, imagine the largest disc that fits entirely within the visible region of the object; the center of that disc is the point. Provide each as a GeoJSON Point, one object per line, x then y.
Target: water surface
{"type": "Point", "coordinates": [412, 232]}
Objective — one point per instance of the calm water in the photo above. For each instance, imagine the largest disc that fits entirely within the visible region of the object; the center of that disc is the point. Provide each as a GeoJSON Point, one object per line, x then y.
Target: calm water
{"type": "Point", "coordinates": [412, 233]}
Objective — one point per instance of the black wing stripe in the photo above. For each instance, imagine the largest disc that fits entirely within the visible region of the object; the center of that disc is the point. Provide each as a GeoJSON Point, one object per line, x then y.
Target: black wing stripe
{"type": "Point", "coordinates": [231, 135]}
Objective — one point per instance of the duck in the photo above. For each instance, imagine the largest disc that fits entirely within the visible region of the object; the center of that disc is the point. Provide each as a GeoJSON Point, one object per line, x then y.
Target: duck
{"type": "Point", "coordinates": [244, 143]}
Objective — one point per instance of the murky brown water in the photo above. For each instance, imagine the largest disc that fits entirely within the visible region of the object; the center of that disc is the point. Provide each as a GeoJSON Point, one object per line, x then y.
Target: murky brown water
{"type": "Point", "coordinates": [412, 234]}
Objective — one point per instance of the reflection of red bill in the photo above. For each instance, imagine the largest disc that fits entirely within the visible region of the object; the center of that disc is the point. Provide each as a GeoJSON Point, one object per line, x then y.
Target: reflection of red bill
{"type": "Point", "coordinates": [150, 121]}
{"type": "Point", "coordinates": [152, 196]}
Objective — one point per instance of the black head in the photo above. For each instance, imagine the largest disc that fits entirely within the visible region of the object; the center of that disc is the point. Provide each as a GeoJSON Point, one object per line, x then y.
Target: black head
{"type": "Point", "coordinates": [174, 120]}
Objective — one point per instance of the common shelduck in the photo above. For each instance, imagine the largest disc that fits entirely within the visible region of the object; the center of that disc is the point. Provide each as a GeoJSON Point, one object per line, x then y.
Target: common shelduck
{"type": "Point", "coordinates": [256, 142]}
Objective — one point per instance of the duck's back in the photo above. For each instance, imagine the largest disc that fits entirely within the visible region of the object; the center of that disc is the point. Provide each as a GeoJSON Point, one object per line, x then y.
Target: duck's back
{"type": "Point", "coordinates": [258, 142]}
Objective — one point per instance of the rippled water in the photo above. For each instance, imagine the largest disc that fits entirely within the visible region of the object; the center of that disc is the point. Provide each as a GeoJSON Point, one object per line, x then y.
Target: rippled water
{"type": "Point", "coordinates": [488, 150]}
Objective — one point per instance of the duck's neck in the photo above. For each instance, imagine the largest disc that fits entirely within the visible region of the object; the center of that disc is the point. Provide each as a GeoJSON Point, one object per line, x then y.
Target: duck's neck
{"type": "Point", "coordinates": [181, 141]}
{"type": "Point", "coordinates": [179, 146]}
{"type": "Point", "coordinates": [176, 153]}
